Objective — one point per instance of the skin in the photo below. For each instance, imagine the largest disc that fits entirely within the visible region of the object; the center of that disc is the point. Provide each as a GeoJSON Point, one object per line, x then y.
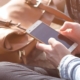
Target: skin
{"type": "Point", "coordinates": [55, 51]}
{"type": "Point", "coordinates": [72, 31]}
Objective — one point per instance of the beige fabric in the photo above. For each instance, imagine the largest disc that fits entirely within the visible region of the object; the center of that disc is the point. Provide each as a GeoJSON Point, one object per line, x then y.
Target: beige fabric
{"type": "Point", "coordinates": [3, 2]}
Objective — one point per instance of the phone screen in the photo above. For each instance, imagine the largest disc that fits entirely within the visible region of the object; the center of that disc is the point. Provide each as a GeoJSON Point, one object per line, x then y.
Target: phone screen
{"type": "Point", "coordinates": [43, 32]}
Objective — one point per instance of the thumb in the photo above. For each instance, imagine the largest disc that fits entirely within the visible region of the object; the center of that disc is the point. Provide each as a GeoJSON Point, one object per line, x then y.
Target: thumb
{"type": "Point", "coordinates": [67, 33]}
{"type": "Point", "coordinates": [67, 25]}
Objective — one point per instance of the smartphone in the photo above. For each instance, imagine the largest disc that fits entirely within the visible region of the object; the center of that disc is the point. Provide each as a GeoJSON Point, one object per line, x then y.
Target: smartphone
{"type": "Point", "coordinates": [42, 32]}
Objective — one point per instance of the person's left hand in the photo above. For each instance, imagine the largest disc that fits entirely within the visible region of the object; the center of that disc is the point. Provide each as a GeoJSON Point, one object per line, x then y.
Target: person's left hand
{"type": "Point", "coordinates": [55, 51]}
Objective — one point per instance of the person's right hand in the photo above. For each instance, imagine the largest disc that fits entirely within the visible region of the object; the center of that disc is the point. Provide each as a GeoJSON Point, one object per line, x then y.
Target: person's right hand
{"type": "Point", "coordinates": [72, 31]}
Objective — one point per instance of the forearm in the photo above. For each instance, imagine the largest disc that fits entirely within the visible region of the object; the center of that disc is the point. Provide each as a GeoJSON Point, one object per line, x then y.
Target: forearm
{"type": "Point", "coordinates": [69, 68]}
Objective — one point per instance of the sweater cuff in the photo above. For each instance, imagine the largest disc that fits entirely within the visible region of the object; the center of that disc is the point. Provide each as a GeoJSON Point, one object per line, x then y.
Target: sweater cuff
{"type": "Point", "coordinates": [63, 71]}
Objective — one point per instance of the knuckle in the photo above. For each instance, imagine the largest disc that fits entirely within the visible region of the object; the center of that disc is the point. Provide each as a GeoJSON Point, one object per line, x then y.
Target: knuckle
{"type": "Point", "coordinates": [46, 49]}
{"type": "Point", "coordinates": [66, 23]}
{"type": "Point", "coordinates": [57, 45]}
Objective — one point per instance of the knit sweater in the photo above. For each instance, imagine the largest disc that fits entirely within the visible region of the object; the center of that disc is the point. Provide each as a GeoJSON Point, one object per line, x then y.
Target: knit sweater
{"type": "Point", "coordinates": [69, 68]}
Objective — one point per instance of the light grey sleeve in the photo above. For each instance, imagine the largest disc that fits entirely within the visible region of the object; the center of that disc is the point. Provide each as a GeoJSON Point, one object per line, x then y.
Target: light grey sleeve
{"type": "Point", "coordinates": [69, 68]}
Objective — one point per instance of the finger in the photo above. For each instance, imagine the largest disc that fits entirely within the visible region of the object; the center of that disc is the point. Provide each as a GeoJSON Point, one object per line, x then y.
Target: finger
{"type": "Point", "coordinates": [53, 42]}
{"type": "Point", "coordinates": [56, 44]}
{"type": "Point", "coordinates": [67, 25]}
{"type": "Point", "coordinates": [67, 33]}
{"type": "Point", "coordinates": [43, 47]}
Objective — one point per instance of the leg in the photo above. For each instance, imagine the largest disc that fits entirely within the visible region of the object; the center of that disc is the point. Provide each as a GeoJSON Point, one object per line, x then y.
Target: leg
{"type": "Point", "coordinates": [45, 71]}
{"type": "Point", "coordinates": [12, 71]}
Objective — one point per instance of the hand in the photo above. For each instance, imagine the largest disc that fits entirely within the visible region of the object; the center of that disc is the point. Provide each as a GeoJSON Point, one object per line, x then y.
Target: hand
{"type": "Point", "coordinates": [55, 51]}
{"type": "Point", "coordinates": [72, 31]}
